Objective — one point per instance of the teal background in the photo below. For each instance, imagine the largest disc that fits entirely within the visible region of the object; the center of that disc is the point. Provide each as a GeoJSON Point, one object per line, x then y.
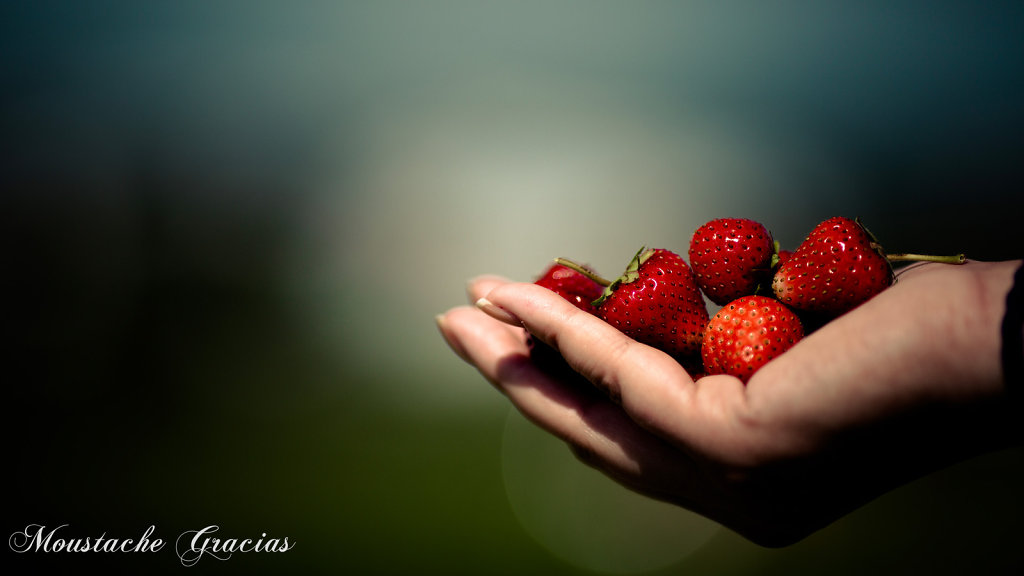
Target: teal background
{"type": "Point", "coordinates": [228, 227]}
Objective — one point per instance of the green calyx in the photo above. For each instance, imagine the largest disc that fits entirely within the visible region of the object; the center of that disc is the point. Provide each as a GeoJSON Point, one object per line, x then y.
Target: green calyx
{"type": "Point", "coordinates": [764, 283]}
{"type": "Point", "coordinates": [630, 275]}
{"type": "Point", "coordinates": [775, 255]}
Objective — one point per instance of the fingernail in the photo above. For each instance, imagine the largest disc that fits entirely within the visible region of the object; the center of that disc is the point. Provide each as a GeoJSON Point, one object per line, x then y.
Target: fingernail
{"type": "Point", "coordinates": [497, 313]}
{"type": "Point", "coordinates": [455, 345]}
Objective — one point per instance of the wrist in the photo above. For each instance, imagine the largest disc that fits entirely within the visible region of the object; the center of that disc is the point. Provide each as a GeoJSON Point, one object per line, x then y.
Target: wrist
{"type": "Point", "coordinates": [998, 396]}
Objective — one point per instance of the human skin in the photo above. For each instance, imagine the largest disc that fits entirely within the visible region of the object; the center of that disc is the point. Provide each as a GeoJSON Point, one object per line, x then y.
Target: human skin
{"type": "Point", "coordinates": [903, 385]}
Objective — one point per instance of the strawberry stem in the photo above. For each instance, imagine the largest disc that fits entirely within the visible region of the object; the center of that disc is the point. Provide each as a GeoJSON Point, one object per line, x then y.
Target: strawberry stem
{"type": "Point", "coordinates": [583, 270]}
{"type": "Point", "coordinates": [953, 259]}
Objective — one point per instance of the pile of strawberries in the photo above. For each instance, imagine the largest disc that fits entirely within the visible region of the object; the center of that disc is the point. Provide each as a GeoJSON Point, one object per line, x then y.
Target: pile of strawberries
{"type": "Point", "coordinates": [769, 298]}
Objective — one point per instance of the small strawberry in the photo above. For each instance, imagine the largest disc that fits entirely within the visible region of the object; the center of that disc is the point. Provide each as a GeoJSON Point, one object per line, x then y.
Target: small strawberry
{"type": "Point", "coordinates": [574, 286]}
{"type": "Point", "coordinates": [838, 266]}
{"type": "Point", "coordinates": [731, 257]}
{"type": "Point", "coordinates": [747, 333]}
{"type": "Point", "coordinates": [656, 302]}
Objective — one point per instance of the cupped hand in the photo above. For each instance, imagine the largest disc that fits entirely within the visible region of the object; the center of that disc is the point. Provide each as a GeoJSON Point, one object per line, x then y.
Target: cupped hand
{"type": "Point", "coordinates": [903, 385]}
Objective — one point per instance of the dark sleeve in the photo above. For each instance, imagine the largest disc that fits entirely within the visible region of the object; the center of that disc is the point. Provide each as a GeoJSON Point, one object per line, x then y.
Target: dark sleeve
{"type": "Point", "coordinates": [1013, 340]}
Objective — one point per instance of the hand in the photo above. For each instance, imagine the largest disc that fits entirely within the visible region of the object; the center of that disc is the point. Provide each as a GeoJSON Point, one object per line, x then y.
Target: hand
{"type": "Point", "coordinates": [905, 384]}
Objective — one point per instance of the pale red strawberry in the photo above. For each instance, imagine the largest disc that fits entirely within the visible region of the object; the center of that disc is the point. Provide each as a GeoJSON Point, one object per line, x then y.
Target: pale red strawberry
{"type": "Point", "coordinates": [572, 285]}
{"type": "Point", "coordinates": [746, 334]}
{"type": "Point", "coordinates": [731, 257]}
{"type": "Point", "coordinates": [576, 286]}
{"type": "Point", "coordinates": [657, 302]}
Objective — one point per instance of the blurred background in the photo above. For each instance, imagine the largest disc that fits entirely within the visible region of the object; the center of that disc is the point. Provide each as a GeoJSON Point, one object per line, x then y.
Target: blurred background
{"type": "Point", "coordinates": [228, 227]}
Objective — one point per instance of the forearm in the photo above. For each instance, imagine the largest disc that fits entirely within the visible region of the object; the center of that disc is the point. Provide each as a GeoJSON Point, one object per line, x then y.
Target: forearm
{"type": "Point", "coordinates": [929, 344]}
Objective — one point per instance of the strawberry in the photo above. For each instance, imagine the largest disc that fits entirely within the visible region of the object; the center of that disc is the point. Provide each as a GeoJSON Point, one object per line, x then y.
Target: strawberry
{"type": "Point", "coordinates": [574, 286]}
{"type": "Point", "coordinates": [656, 302]}
{"type": "Point", "coordinates": [747, 333]}
{"type": "Point", "coordinates": [837, 267]}
{"type": "Point", "coordinates": [731, 257]}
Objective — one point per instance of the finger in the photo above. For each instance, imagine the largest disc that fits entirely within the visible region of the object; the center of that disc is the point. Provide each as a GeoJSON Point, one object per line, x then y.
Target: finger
{"type": "Point", "coordinates": [597, 430]}
{"type": "Point", "coordinates": [655, 391]}
{"type": "Point", "coordinates": [477, 338]}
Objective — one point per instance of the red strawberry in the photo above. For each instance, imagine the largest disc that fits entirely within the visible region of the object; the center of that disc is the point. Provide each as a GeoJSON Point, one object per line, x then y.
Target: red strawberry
{"type": "Point", "coordinates": [657, 302]}
{"type": "Point", "coordinates": [838, 266]}
{"type": "Point", "coordinates": [746, 334]}
{"type": "Point", "coordinates": [574, 286]}
{"type": "Point", "coordinates": [731, 257]}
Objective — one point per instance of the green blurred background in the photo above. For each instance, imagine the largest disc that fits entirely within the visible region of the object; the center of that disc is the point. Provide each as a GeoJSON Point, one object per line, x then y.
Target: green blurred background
{"type": "Point", "coordinates": [228, 226]}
